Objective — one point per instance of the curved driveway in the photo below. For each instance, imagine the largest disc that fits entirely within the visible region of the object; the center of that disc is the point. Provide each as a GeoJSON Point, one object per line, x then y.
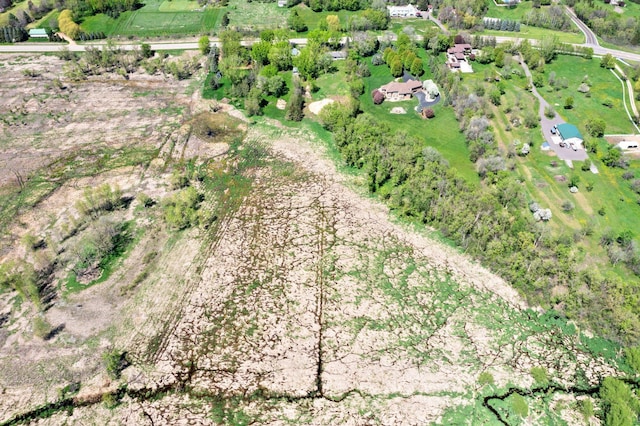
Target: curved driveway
{"type": "Point", "coordinates": [546, 124]}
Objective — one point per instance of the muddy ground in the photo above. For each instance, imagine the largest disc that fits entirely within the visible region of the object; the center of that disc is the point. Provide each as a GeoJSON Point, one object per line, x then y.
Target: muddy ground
{"type": "Point", "coordinates": [302, 302]}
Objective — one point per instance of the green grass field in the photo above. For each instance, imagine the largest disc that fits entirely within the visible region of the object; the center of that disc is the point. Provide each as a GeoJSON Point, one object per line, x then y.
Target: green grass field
{"type": "Point", "coordinates": [515, 13]}
{"type": "Point", "coordinates": [17, 7]}
{"type": "Point", "coordinates": [313, 19]}
{"type": "Point", "coordinates": [420, 25]}
{"type": "Point", "coordinates": [156, 18]}
{"type": "Point", "coordinates": [537, 33]}
{"type": "Point", "coordinates": [256, 15]}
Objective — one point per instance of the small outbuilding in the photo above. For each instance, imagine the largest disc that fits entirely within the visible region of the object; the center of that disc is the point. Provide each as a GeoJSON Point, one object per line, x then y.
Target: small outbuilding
{"type": "Point", "coordinates": [38, 33]}
{"type": "Point", "coordinates": [570, 134]}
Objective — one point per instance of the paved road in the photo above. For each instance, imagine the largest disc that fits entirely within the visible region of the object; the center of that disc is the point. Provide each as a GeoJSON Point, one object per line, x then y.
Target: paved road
{"type": "Point", "coordinates": [546, 124]}
{"type": "Point", "coordinates": [590, 36]}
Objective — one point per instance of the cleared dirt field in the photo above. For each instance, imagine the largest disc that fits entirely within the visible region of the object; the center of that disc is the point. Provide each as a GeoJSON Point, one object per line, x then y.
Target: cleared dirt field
{"type": "Point", "coordinates": [300, 301]}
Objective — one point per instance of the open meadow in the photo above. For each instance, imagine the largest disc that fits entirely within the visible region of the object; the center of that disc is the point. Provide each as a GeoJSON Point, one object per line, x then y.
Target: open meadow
{"type": "Point", "coordinates": [157, 18]}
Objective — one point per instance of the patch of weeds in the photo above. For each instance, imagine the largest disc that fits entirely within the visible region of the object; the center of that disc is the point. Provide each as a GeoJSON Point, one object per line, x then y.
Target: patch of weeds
{"type": "Point", "coordinates": [41, 328]}
{"type": "Point", "coordinates": [115, 361]}
{"type": "Point", "coordinates": [69, 390]}
{"type": "Point", "coordinates": [104, 256]}
{"type": "Point", "coordinates": [227, 411]}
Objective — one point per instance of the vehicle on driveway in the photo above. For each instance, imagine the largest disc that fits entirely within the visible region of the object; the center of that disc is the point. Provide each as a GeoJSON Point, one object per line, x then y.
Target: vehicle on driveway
{"type": "Point", "coordinates": [562, 145]}
{"type": "Point", "coordinates": [553, 131]}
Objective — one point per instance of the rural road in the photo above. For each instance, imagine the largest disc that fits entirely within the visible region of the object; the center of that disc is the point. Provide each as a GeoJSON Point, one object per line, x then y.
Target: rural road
{"type": "Point", "coordinates": [592, 40]}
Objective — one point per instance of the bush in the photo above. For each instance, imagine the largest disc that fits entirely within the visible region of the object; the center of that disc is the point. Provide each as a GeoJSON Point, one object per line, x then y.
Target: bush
{"type": "Point", "coordinates": [377, 96]}
{"type": "Point", "coordinates": [540, 376]}
{"type": "Point", "coordinates": [181, 209]}
{"type": "Point", "coordinates": [429, 113]}
{"type": "Point", "coordinates": [567, 206]}
{"type": "Point", "coordinates": [115, 361]}
{"type": "Point", "coordinates": [549, 112]}
{"type": "Point", "coordinates": [485, 378]}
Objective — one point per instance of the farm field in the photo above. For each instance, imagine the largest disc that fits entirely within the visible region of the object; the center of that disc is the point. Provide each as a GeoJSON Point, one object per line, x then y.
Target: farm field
{"type": "Point", "coordinates": [157, 18]}
{"type": "Point", "coordinates": [297, 300]}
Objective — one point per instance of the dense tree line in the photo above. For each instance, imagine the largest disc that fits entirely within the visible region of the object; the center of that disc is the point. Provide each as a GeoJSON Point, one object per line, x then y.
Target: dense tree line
{"type": "Point", "coordinates": [334, 5]}
{"type": "Point", "coordinates": [13, 34]}
{"type": "Point", "coordinates": [498, 24]}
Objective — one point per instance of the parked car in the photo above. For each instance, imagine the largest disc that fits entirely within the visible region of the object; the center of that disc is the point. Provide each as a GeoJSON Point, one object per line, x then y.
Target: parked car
{"type": "Point", "coordinates": [562, 145]}
{"type": "Point", "coordinates": [553, 131]}
{"type": "Point", "coordinates": [574, 147]}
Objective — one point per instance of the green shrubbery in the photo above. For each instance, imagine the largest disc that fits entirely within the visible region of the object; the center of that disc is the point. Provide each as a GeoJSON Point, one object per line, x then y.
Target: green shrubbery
{"type": "Point", "coordinates": [181, 210]}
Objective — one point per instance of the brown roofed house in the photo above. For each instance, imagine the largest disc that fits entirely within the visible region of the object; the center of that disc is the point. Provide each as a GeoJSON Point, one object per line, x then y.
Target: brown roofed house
{"type": "Point", "coordinates": [396, 91]}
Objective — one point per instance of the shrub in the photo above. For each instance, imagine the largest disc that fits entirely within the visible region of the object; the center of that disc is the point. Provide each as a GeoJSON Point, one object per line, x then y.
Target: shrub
{"type": "Point", "coordinates": [429, 113]}
{"type": "Point", "coordinates": [378, 97]}
{"type": "Point", "coordinates": [485, 378]}
{"type": "Point", "coordinates": [567, 206]}
{"type": "Point", "coordinates": [115, 361]}
{"type": "Point", "coordinates": [549, 112]}
{"type": "Point", "coordinates": [181, 209]}
{"type": "Point", "coordinates": [568, 102]}
{"type": "Point", "coordinates": [540, 375]}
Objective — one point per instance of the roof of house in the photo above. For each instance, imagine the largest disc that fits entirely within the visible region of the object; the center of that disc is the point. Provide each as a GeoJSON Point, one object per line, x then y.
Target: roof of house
{"type": "Point", "coordinates": [569, 131]}
{"type": "Point", "coordinates": [338, 54]}
{"type": "Point", "coordinates": [459, 55]}
{"type": "Point", "coordinates": [407, 8]}
{"type": "Point", "coordinates": [38, 32]}
{"type": "Point", "coordinates": [403, 88]}
{"type": "Point", "coordinates": [459, 48]}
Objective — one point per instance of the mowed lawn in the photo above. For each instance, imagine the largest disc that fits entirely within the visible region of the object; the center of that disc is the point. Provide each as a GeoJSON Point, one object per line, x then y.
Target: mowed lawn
{"type": "Point", "coordinates": [156, 18]}
{"type": "Point", "coordinates": [537, 33]}
{"type": "Point", "coordinates": [440, 132]}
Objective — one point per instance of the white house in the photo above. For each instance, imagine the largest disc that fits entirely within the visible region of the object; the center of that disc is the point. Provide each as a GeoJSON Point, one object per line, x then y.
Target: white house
{"type": "Point", "coordinates": [408, 11]}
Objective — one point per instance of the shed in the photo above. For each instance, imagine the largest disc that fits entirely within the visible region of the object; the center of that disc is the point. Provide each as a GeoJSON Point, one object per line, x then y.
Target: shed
{"type": "Point", "coordinates": [282, 3]}
{"type": "Point", "coordinates": [38, 33]}
{"type": "Point", "coordinates": [570, 134]}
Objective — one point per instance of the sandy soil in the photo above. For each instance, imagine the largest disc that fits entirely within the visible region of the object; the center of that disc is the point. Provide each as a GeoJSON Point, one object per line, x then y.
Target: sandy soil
{"type": "Point", "coordinates": [316, 107]}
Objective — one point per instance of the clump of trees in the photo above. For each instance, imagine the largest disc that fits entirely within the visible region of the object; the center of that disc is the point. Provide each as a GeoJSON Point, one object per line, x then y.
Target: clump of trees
{"type": "Point", "coordinates": [403, 57]}
{"type": "Point", "coordinates": [611, 26]}
{"type": "Point", "coordinates": [67, 25]}
{"type": "Point", "coordinates": [181, 210]}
